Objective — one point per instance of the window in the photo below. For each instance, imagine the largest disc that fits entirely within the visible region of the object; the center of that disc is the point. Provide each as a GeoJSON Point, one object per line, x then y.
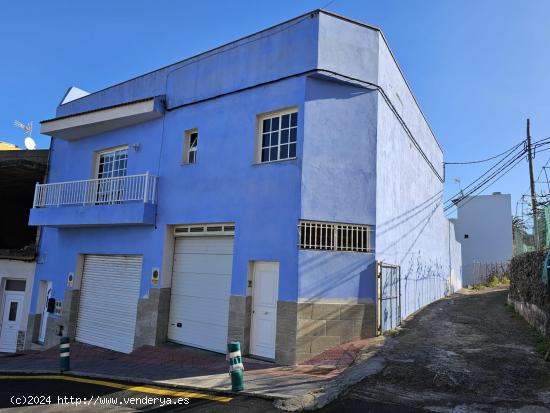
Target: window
{"type": "Point", "coordinates": [466, 236]}
{"type": "Point", "coordinates": [202, 229]}
{"type": "Point", "coordinates": [277, 136]}
{"type": "Point", "coordinates": [12, 316]}
{"type": "Point", "coordinates": [336, 237]}
{"type": "Point", "coordinates": [190, 147]}
{"type": "Point", "coordinates": [112, 164]}
{"type": "Point", "coordinates": [15, 285]}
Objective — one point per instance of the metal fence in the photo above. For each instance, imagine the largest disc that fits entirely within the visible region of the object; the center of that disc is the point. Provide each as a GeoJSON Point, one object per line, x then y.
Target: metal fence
{"type": "Point", "coordinates": [388, 278]}
{"type": "Point", "coordinates": [482, 272]}
{"type": "Point", "coordinates": [97, 191]}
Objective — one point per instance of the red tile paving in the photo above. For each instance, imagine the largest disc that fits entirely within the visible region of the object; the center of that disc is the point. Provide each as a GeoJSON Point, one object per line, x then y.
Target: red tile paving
{"type": "Point", "coordinates": [170, 361]}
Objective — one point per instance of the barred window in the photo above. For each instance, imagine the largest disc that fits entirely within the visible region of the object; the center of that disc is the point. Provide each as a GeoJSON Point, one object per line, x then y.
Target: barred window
{"type": "Point", "coordinates": [336, 237]}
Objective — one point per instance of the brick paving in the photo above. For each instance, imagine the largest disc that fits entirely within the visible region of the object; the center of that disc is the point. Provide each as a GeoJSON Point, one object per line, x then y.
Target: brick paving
{"type": "Point", "coordinates": [189, 367]}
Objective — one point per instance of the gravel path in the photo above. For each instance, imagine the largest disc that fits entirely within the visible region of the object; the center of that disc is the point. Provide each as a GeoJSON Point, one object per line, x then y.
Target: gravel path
{"type": "Point", "coordinates": [467, 353]}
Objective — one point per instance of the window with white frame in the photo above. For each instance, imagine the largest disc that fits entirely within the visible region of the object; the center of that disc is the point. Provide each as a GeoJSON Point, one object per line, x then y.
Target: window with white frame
{"type": "Point", "coordinates": [111, 163]}
{"type": "Point", "coordinates": [277, 136]}
{"type": "Point", "coordinates": [330, 236]}
{"type": "Point", "coordinates": [190, 146]}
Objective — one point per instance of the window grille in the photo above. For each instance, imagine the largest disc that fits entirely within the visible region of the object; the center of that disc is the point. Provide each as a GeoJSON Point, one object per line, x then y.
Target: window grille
{"type": "Point", "coordinates": [336, 237]}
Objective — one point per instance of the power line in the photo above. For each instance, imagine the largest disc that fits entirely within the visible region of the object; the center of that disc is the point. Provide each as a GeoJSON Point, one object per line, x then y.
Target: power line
{"type": "Point", "coordinates": [495, 177]}
{"type": "Point", "coordinates": [539, 143]}
{"type": "Point", "coordinates": [487, 159]}
{"type": "Point", "coordinates": [498, 174]}
{"type": "Point", "coordinates": [488, 171]}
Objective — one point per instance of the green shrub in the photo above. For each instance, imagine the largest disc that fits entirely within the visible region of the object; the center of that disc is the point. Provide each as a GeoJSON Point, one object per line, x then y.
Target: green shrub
{"type": "Point", "coordinates": [505, 280]}
{"type": "Point", "coordinates": [478, 287]}
{"type": "Point", "coordinates": [493, 281]}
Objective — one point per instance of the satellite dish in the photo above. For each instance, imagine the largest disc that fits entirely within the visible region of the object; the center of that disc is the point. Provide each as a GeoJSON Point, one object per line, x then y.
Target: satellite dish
{"type": "Point", "coordinates": [30, 143]}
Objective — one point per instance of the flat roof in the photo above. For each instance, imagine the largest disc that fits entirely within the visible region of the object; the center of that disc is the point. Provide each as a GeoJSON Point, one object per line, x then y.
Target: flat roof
{"type": "Point", "coordinates": [310, 14]}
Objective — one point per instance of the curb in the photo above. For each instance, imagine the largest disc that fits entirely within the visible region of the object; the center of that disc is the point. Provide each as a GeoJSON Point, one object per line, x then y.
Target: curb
{"type": "Point", "coordinates": [137, 380]}
{"type": "Point", "coordinates": [367, 363]}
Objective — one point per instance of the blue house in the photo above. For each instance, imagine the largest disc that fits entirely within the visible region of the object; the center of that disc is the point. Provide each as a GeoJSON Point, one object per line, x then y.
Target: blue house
{"type": "Point", "coordinates": [283, 190]}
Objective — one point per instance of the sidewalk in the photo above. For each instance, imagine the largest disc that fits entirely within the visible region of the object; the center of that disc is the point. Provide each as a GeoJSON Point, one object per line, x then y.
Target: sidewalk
{"type": "Point", "coordinates": [182, 366]}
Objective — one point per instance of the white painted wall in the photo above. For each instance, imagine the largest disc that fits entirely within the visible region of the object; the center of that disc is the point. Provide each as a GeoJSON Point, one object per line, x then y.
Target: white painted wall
{"type": "Point", "coordinates": [20, 270]}
{"type": "Point", "coordinates": [487, 220]}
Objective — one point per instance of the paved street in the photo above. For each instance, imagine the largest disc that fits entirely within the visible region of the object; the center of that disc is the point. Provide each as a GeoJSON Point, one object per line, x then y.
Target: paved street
{"type": "Point", "coordinates": [478, 357]}
{"type": "Point", "coordinates": [88, 395]}
{"type": "Point", "coordinates": [469, 353]}
{"type": "Point", "coordinates": [177, 365]}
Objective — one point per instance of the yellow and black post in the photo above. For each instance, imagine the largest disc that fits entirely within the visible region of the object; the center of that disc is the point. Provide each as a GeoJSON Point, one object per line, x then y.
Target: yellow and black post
{"type": "Point", "coordinates": [64, 354]}
{"type": "Point", "coordinates": [236, 367]}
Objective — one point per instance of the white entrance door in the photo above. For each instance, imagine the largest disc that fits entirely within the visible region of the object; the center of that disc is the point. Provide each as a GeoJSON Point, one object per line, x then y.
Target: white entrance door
{"type": "Point", "coordinates": [201, 287]}
{"type": "Point", "coordinates": [11, 320]}
{"type": "Point", "coordinates": [264, 309]}
{"type": "Point", "coordinates": [109, 297]}
{"type": "Point", "coordinates": [47, 294]}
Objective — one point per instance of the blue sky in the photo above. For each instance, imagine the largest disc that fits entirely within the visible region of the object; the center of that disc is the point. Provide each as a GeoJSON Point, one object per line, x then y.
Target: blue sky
{"type": "Point", "coordinates": [478, 68]}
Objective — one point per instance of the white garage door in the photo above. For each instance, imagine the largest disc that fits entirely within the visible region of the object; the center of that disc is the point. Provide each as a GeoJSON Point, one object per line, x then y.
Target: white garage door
{"type": "Point", "coordinates": [109, 295]}
{"type": "Point", "coordinates": [201, 286]}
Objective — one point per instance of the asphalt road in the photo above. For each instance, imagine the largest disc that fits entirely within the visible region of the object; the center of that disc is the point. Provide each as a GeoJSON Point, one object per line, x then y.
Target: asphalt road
{"type": "Point", "coordinates": [25, 394]}
{"type": "Point", "coordinates": [49, 394]}
{"type": "Point", "coordinates": [467, 353]}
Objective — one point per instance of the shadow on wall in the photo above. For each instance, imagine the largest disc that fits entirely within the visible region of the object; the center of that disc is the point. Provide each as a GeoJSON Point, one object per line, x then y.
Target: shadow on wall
{"type": "Point", "coordinates": [423, 279]}
{"type": "Point", "coordinates": [423, 282]}
{"type": "Point", "coordinates": [328, 88]}
{"type": "Point", "coordinates": [400, 219]}
{"type": "Point", "coordinates": [400, 236]}
{"type": "Point", "coordinates": [341, 275]}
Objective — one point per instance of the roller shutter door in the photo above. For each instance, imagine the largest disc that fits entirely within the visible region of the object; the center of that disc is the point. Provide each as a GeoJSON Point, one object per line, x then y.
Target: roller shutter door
{"type": "Point", "coordinates": [109, 296]}
{"type": "Point", "coordinates": [201, 287]}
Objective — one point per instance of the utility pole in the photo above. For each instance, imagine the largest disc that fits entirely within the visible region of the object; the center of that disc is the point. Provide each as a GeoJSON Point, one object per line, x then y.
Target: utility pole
{"type": "Point", "coordinates": [532, 181]}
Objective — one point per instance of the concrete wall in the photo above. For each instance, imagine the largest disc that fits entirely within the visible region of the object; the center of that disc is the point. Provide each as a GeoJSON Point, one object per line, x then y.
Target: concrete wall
{"type": "Point", "coordinates": [487, 221]}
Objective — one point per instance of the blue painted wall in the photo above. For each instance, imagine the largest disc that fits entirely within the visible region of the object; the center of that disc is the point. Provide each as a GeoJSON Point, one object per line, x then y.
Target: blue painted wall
{"type": "Point", "coordinates": [354, 164]}
{"type": "Point", "coordinates": [338, 185]}
{"type": "Point", "coordinates": [411, 229]}
{"type": "Point", "coordinates": [225, 185]}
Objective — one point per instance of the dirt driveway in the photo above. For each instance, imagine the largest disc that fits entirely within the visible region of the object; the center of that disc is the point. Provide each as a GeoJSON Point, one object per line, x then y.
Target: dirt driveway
{"type": "Point", "coordinates": [467, 353]}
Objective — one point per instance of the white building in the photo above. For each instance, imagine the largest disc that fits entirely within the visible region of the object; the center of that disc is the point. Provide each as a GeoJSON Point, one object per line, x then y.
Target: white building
{"type": "Point", "coordinates": [484, 228]}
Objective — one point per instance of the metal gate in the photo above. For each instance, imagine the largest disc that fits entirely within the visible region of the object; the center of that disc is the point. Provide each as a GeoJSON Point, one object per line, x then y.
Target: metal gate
{"type": "Point", "coordinates": [388, 287]}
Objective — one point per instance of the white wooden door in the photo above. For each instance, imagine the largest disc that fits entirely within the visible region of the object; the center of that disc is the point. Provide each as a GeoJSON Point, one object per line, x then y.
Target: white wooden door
{"type": "Point", "coordinates": [11, 320]}
{"type": "Point", "coordinates": [47, 293]}
{"type": "Point", "coordinates": [108, 301]}
{"type": "Point", "coordinates": [265, 286]}
{"type": "Point", "coordinates": [201, 287]}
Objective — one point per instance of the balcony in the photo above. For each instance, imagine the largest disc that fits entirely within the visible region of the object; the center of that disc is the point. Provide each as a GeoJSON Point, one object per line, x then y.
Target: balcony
{"type": "Point", "coordinates": [125, 200]}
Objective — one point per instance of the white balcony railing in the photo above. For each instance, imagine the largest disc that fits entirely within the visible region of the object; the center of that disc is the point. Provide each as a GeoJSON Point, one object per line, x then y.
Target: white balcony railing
{"type": "Point", "coordinates": [102, 191]}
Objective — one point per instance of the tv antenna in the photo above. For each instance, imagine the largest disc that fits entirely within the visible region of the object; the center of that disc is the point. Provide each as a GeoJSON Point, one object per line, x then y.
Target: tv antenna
{"type": "Point", "coordinates": [27, 128]}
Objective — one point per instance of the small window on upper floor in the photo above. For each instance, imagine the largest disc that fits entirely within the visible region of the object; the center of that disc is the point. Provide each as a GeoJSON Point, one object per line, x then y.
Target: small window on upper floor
{"type": "Point", "coordinates": [190, 145]}
{"type": "Point", "coordinates": [277, 136]}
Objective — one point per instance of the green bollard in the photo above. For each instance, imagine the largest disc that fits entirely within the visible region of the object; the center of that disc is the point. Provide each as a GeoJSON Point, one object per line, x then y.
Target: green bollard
{"type": "Point", "coordinates": [236, 367]}
{"type": "Point", "coordinates": [64, 354]}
